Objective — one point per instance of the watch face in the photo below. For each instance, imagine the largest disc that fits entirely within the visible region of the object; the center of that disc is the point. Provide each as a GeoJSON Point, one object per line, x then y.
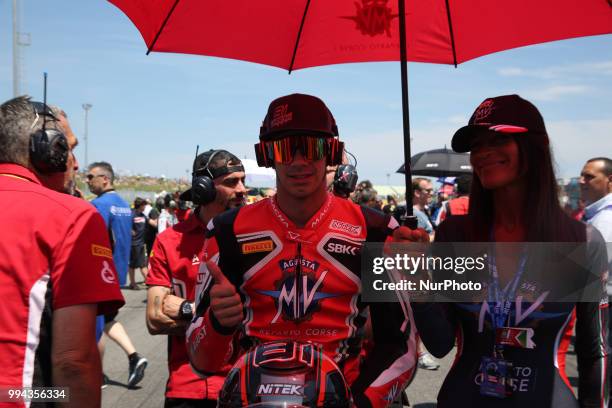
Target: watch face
{"type": "Point", "coordinates": [186, 309]}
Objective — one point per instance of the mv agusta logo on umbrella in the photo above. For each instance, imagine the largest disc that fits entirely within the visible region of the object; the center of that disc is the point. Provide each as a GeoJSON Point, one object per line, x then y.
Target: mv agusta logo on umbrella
{"type": "Point", "coordinates": [373, 17]}
{"type": "Point", "coordinates": [297, 295]}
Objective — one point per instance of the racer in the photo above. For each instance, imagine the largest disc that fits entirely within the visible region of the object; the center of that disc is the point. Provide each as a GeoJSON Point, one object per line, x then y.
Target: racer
{"type": "Point", "coordinates": [289, 266]}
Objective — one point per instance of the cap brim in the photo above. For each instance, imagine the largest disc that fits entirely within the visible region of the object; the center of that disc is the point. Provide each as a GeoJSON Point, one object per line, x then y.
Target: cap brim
{"type": "Point", "coordinates": [185, 195]}
{"type": "Point", "coordinates": [462, 138]}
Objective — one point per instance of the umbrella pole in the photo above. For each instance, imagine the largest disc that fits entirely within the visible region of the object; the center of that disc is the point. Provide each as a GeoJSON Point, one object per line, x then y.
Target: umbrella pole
{"type": "Point", "coordinates": [410, 220]}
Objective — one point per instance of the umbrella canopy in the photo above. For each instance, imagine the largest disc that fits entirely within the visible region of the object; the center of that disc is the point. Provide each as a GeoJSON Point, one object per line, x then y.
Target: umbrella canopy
{"type": "Point", "coordinates": [439, 163]}
{"type": "Point", "coordinates": [294, 34]}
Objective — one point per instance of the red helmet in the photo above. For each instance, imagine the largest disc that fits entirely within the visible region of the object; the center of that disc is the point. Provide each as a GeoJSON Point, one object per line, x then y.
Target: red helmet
{"type": "Point", "coordinates": [285, 374]}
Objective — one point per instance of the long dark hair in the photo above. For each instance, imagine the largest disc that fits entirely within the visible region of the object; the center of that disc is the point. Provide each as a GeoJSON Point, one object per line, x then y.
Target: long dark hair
{"type": "Point", "coordinates": [545, 219]}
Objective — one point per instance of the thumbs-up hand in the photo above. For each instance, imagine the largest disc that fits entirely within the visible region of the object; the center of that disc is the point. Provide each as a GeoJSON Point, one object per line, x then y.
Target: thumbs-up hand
{"type": "Point", "coordinates": [225, 302]}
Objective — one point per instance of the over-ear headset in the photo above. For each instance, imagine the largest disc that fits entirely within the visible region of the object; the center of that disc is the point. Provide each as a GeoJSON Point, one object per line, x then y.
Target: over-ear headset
{"type": "Point", "coordinates": [48, 147]}
{"type": "Point", "coordinates": [345, 178]}
{"type": "Point", "coordinates": [203, 189]}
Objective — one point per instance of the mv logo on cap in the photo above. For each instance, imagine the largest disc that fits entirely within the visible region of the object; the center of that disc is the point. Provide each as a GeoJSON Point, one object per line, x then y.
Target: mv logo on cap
{"type": "Point", "coordinates": [483, 111]}
{"type": "Point", "coordinates": [281, 116]}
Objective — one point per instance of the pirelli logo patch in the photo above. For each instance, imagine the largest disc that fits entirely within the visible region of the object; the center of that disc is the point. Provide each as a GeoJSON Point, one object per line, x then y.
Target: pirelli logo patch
{"type": "Point", "coordinates": [257, 246]}
{"type": "Point", "coordinates": [99, 250]}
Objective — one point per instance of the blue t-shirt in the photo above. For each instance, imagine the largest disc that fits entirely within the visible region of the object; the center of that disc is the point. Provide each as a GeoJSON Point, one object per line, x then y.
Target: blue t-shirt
{"type": "Point", "coordinates": [117, 215]}
{"type": "Point", "coordinates": [423, 220]}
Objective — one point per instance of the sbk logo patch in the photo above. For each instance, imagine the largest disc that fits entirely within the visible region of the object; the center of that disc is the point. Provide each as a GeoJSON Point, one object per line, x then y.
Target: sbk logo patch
{"type": "Point", "coordinates": [342, 248]}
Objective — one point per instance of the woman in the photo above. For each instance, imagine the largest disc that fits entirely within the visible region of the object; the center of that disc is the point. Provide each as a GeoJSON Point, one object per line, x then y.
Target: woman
{"type": "Point", "coordinates": [514, 199]}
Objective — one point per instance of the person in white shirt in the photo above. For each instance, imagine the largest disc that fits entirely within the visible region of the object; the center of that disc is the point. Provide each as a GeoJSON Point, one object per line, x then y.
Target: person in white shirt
{"type": "Point", "coordinates": [167, 218]}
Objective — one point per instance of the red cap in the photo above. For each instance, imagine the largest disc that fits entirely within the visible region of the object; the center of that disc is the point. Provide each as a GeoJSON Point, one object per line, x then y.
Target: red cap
{"type": "Point", "coordinates": [298, 114]}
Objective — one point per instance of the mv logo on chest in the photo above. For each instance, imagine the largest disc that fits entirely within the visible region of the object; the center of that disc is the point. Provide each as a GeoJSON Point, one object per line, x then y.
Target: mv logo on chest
{"type": "Point", "coordinates": [299, 292]}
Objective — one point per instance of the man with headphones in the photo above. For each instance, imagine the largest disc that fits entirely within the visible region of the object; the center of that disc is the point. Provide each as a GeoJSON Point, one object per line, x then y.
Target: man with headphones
{"type": "Point", "coordinates": [64, 182]}
{"type": "Point", "coordinates": [289, 267]}
{"type": "Point", "coordinates": [217, 185]}
{"type": "Point", "coordinates": [56, 266]}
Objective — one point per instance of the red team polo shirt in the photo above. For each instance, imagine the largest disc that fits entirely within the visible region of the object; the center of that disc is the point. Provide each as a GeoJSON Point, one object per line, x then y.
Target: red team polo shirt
{"type": "Point", "coordinates": [174, 263]}
{"type": "Point", "coordinates": [54, 253]}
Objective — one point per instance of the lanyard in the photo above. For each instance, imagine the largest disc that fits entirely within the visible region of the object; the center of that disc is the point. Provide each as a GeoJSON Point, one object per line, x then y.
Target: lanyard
{"type": "Point", "coordinates": [503, 299]}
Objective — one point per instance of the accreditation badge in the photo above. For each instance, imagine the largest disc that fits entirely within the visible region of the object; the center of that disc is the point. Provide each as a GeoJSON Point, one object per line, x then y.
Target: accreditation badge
{"type": "Point", "coordinates": [495, 377]}
{"type": "Point", "coordinates": [521, 337]}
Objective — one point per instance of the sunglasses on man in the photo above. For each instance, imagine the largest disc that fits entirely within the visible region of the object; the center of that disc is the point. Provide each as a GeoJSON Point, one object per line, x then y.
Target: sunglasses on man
{"type": "Point", "coordinates": [312, 148]}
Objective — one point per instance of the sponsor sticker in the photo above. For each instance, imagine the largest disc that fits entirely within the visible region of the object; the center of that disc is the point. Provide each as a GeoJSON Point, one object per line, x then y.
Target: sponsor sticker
{"type": "Point", "coordinates": [345, 227]}
{"type": "Point", "coordinates": [280, 389]}
{"type": "Point", "coordinates": [257, 246]}
{"type": "Point", "coordinates": [99, 250]}
{"type": "Point", "coordinates": [195, 260]}
{"type": "Point", "coordinates": [107, 273]}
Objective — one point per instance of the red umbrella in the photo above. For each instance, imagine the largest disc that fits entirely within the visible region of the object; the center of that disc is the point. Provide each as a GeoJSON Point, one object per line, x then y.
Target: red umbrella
{"type": "Point", "coordinates": [294, 34]}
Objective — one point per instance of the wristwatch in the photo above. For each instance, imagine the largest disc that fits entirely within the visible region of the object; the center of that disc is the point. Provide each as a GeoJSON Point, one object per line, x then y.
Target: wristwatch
{"type": "Point", "coordinates": [186, 310]}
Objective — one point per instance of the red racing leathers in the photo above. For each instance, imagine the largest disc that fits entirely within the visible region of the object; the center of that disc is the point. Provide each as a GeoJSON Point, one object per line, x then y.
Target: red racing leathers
{"type": "Point", "coordinates": [304, 283]}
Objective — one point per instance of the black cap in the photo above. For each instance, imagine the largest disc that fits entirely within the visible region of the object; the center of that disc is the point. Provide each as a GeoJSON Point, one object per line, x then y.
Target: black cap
{"type": "Point", "coordinates": [201, 168]}
{"type": "Point", "coordinates": [297, 114]}
{"type": "Point", "coordinates": [502, 114]}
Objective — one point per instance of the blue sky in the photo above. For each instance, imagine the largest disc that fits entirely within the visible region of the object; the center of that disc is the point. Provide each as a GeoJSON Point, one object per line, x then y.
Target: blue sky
{"type": "Point", "coordinates": [149, 112]}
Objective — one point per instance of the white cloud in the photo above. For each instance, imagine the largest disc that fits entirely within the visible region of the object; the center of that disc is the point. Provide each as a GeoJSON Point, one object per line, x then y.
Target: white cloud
{"type": "Point", "coordinates": [562, 71]}
{"type": "Point", "coordinates": [458, 120]}
{"type": "Point", "coordinates": [454, 120]}
{"type": "Point", "coordinates": [574, 142]}
{"type": "Point", "coordinates": [511, 71]}
{"type": "Point", "coordinates": [555, 92]}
